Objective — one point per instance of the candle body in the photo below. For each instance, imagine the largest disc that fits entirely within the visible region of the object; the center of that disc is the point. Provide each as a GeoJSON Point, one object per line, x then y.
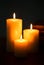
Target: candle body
{"type": "Point", "coordinates": [21, 47]}
{"type": "Point", "coordinates": [32, 35]}
{"type": "Point", "coordinates": [14, 30]}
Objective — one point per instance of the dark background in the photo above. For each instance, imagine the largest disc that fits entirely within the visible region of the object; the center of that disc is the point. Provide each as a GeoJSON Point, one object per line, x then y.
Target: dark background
{"type": "Point", "coordinates": [30, 11]}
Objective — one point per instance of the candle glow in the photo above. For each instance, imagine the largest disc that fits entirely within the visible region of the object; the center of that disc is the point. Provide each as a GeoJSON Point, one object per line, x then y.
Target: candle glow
{"type": "Point", "coordinates": [14, 30]}
{"type": "Point", "coordinates": [21, 46]}
{"type": "Point", "coordinates": [32, 35]}
{"type": "Point", "coordinates": [14, 36]}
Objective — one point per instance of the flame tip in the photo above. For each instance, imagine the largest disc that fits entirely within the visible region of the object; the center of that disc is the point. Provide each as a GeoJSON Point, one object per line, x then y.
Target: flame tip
{"type": "Point", "coordinates": [14, 15]}
{"type": "Point", "coordinates": [30, 26]}
{"type": "Point", "coordinates": [21, 37]}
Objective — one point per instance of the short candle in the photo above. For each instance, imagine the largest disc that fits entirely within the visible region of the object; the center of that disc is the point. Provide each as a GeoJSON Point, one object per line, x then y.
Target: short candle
{"type": "Point", "coordinates": [21, 46]}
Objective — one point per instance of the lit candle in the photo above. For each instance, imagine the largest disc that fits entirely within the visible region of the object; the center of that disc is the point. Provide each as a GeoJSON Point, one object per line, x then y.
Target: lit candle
{"type": "Point", "coordinates": [21, 47]}
{"type": "Point", "coordinates": [32, 35]}
{"type": "Point", "coordinates": [14, 29]}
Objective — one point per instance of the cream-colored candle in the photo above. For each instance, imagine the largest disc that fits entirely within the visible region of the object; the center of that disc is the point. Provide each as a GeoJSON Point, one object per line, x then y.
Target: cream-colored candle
{"type": "Point", "coordinates": [32, 35]}
{"type": "Point", "coordinates": [14, 29]}
{"type": "Point", "coordinates": [21, 47]}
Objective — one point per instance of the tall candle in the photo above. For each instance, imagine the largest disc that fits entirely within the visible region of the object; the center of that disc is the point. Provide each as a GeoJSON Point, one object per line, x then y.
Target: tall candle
{"type": "Point", "coordinates": [14, 29]}
{"type": "Point", "coordinates": [32, 35]}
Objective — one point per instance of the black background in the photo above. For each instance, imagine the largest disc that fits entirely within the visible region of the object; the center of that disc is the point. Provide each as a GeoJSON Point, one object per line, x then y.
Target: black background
{"type": "Point", "coordinates": [30, 11]}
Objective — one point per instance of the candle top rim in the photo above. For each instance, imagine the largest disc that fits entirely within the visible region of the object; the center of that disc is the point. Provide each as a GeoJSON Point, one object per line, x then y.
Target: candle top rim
{"type": "Point", "coordinates": [31, 29]}
{"type": "Point", "coordinates": [13, 19]}
{"type": "Point", "coordinates": [21, 40]}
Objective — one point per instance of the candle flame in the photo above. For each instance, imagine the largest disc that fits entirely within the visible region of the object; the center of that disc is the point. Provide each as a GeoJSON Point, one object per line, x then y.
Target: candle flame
{"type": "Point", "coordinates": [21, 37]}
{"type": "Point", "coordinates": [30, 26]}
{"type": "Point", "coordinates": [14, 16]}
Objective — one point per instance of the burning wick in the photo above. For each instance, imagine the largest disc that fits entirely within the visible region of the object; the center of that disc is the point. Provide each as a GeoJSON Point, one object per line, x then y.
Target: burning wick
{"type": "Point", "coordinates": [30, 26]}
{"type": "Point", "coordinates": [14, 15]}
{"type": "Point", "coordinates": [21, 37]}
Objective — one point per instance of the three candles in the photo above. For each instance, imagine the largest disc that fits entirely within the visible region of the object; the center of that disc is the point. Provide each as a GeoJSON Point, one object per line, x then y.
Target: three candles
{"type": "Point", "coordinates": [14, 34]}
